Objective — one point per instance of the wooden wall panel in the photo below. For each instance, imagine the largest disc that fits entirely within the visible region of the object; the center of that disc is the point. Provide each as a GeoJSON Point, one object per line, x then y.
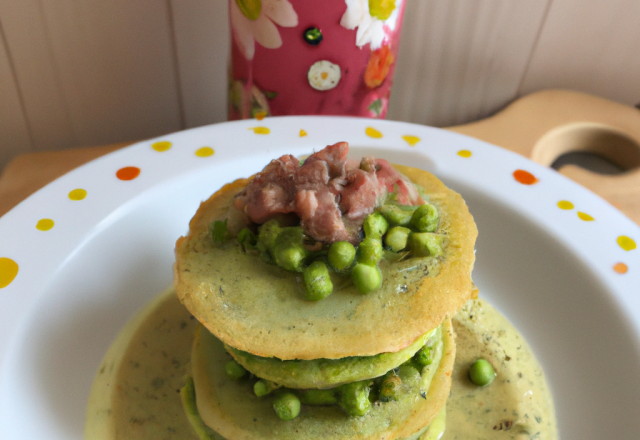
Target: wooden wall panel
{"type": "Point", "coordinates": [461, 60]}
{"type": "Point", "coordinates": [14, 131]}
{"type": "Point", "coordinates": [117, 67]}
{"type": "Point", "coordinates": [591, 46]}
{"type": "Point", "coordinates": [201, 29]}
{"type": "Point", "coordinates": [29, 47]}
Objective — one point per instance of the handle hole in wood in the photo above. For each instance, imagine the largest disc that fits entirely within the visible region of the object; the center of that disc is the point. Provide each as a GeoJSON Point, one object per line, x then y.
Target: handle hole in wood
{"type": "Point", "coordinates": [598, 148]}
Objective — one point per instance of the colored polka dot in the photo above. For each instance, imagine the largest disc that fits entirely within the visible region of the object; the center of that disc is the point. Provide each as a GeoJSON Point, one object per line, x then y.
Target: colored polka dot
{"type": "Point", "coordinates": [303, 133]}
{"type": "Point", "coordinates": [204, 152]}
{"type": "Point", "coordinates": [411, 140]}
{"type": "Point", "coordinates": [565, 204]}
{"type": "Point", "coordinates": [464, 153]}
{"type": "Point", "coordinates": [626, 243]}
{"type": "Point", "coordinates": [261, 115]}
{"type": "Point", "coordinates": [77, 194]}
{"type": "Point", "coordinates": [621, 268]}
{"type": "Point", "coordinates": [585, 217]}
{"type": "Point", "coordinates": [128, 173]}
{"type": "Point", "coordinates": [44, 224]}
{"type": "Point", "coordinates": [161, 146]}
{"type": "Point", "coordinates": [8, 271]}
{"type": "Point", "coordinates": [260, 130]}
{"type": "Point", "coordinates": [372, 132]}
{"type": "Point", "coordinates": [525, 177]}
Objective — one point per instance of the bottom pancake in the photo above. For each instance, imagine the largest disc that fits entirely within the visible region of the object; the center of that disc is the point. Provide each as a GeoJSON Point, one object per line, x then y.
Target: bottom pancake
{"type": "Point", "coordinates": [135, 394]}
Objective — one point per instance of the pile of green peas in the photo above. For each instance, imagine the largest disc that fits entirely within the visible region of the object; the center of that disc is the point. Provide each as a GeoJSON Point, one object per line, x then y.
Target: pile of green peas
{"type": "Point", "coordinates": [354, 398]}
{"type": "Point", "coordinates": [394, 228]}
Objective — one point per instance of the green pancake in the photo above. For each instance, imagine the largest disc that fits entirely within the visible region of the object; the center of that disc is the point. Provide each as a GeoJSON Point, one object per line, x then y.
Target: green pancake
{"type": "Point", "coordinates": [326, 373]}
{"type": "Point", "coordinates": [231, 409]}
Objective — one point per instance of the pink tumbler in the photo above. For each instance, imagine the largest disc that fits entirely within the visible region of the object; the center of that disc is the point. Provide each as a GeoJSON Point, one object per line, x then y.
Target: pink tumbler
{"type": "Point", "coordinates": [306, 57]}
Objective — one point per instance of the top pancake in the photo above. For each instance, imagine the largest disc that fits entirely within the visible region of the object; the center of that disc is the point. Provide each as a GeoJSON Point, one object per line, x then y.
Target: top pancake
{"type": "Point", "coordinates": [257, 307]}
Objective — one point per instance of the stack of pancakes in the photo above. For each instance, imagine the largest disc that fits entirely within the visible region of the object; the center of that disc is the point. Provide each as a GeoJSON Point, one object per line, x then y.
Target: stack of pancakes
{"type": "Point", "coordinates": [250, 311]}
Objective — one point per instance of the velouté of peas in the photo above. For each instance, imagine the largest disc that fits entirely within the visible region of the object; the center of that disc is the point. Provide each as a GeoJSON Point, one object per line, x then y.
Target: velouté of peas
{"type": "Point", "coordinates": [370, 251]}
{"type": "Point", "coordinates": [375, 225]}
{"type": "Point", "coordinates": [341, 255]}
{"type": "Point", "coordinates": [286, 405]}
{"type": "Point", "coordinates": [354, 398]}
{"type": "Point", "coordinates": [425, 218]}
{"type": "Point", "coordinates": [425, 244]}
{"type": "Point", "coordinates": [317, 281]}
{"type": "Point", "coordinates": [288, 249]}
{"type": "Point", "coordinates": [397, 237]}
{"type": "Point", "coordinates": [367, 278]}
{"type": "Point", "coordinates": [482, 373]}
{"type": "Point", "coordinates": [397, 215]}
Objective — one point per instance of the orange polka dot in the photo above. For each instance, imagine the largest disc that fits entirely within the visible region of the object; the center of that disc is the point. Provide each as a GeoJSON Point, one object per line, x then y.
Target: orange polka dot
{"type": "Point", "coordinates": [626, 243]}
{"type": "Point", "coordinates": [261, 115]}
{"type": "Point", "coordinates": [8, 271]}
{"type": "Point", "coordinates": [44, 224]}
{"type": "Point", "coordinates": [411, 140]}
{"type": "Point", "coordinates": [565, 204]}
{"type": "Point", "coordinates": [161, 146]}
{"type": "Point", "coordinates": [260, 130]}
{"type": "Point", "coordinates": [78, 194]}
{"type": "Point", "coordinates": [585, 217]}
{"type": "Point", "coordinates": [303, 133]}
{"type": "Point", "coordinates": [464, 153]}
{"type": "Point", "coordinates": [205, 152]}
{"type": "Point", "coordinates": [128, 173]}
{"type": "Point", "coordinates": [525, 177]}
{"type": "Point", "coordinates": [621, 268]}
{"type": "Point", "coordinates": [372, 132]}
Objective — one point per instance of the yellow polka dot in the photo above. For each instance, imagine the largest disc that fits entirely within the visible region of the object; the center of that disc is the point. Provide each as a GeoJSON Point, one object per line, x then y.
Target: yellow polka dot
{"type": "Point", "coordinates": [261, 115]}
{"type": "Point", "coordinates": [8, 271]}
{"type": "Point", "coordinates": [372, 132]}
{"type": "Point", "coordinates": [44, 224]}
{"type": "Point", "coordinates": [204, 152]}
{"type": "Point", "coordinates": [584, 216]}
{"type": "Point", "coordinates": [626, 243]}
{"type": "Point", "coordinates": [464, 153]}
{"type": "Point", "coordinates": [260, 130]}
{"type": "Point", "coordinates": [161, 146]}
{"type": "Point", "coordinates": [565, 204]}
{"type": "Point", "coordinates": [303, 133]}
{"type": "Point", "coordinates": [78, 194]}
{"type": "Point", "coordinates": [411, 140]}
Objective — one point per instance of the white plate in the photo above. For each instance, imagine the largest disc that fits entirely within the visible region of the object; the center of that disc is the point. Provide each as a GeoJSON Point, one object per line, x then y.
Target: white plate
{"type": "Point", "coordinates": [555, 275]}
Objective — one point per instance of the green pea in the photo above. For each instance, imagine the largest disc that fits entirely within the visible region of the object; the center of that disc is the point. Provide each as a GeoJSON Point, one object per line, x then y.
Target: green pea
{"type": "Point", "coordinates": [423, 357]}
{"type": "Point", "coordinates": [219, 232]}
{"type": "Point", "coordinates": [390, 387]}
{"type": "Point", "coordinates": [366, 278]}
{"type": "Point", "coordinates": [317, 281]}
{"type": "Point", "coordinates": [268, 233]}
{"type": "Point", "coordinates": [288, 250]}
{"type": "Point", "coordinates": [247, 238]}
{"type": "Point", "coordinates": [234, 370]}
{"type": "Point", "coordinates": [375, 225]}
{"type": "Point", "coordinates": [482, 373]}
{"type": "Point", "coordinates": [424, 244]}
{"type": "Point", "coordinates": [397, 237]}
{"type": "Point", "coordinates": [264, 387]}
{"type": "Point", "coordinates": [370, 251]}
{"type": "Point", "coordinates": [318, 397]}
{"type": "Point", "coordinates": [341, 255]}
{"type": "Point", "coordinates": [287, 406]}
{"type": "Point", "coordinates": [398, 215]}
{"type": "Point", "coordinates": [354, 398]}
{"type": "Point", "coordinates": [425, 218]}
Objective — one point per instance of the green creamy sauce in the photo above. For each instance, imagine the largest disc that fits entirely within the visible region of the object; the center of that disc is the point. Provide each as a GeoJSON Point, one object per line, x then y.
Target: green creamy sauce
{"type": "Point", "coordinates": [325, 373]}
{"type": "Point", "coordinates": [136, 390]}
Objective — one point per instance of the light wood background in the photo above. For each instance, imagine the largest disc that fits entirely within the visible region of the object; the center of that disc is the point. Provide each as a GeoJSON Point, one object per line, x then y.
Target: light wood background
{"type": "Point", "coordinates": [90, 72]}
